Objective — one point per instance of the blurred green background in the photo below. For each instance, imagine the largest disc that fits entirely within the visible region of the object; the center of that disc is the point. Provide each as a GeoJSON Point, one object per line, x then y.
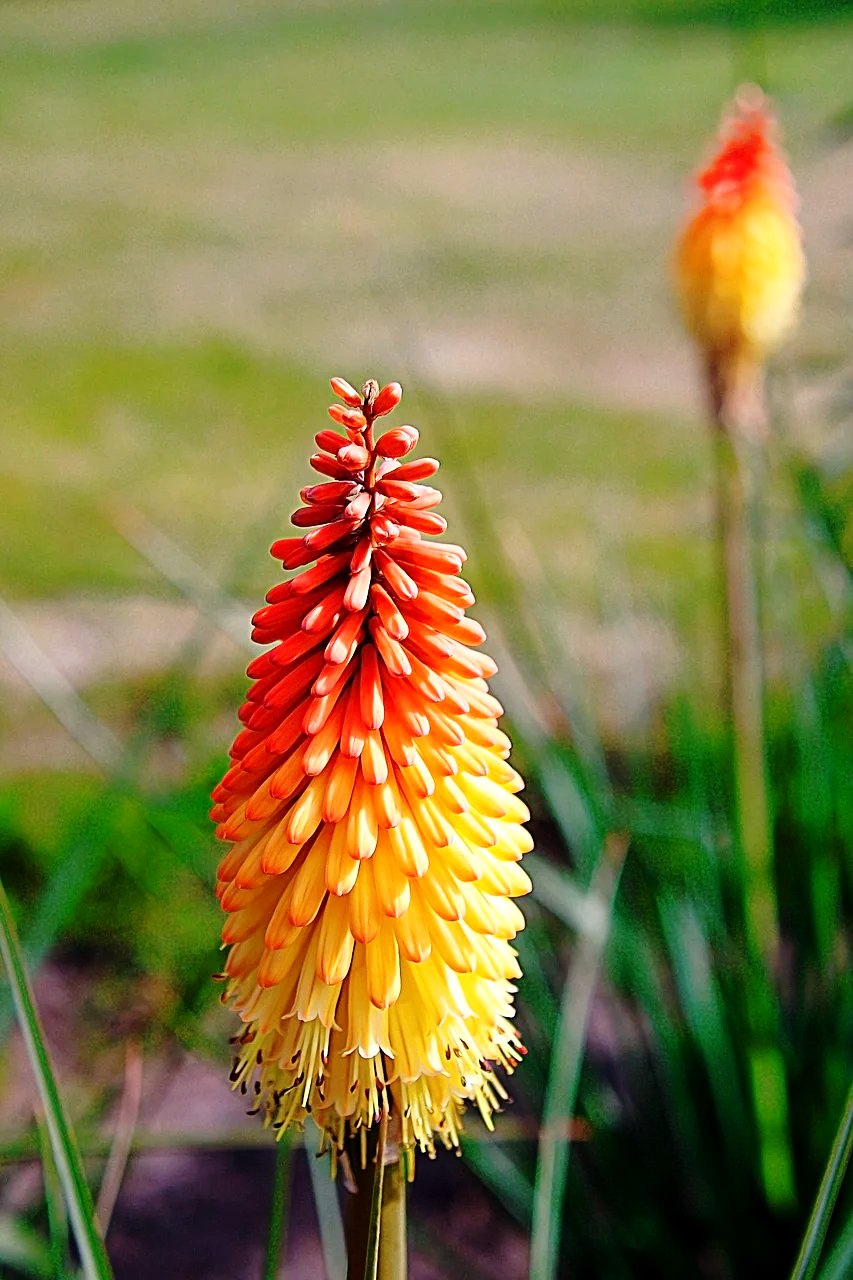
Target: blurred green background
{"type": "Point", "coordinates": [207, 209]}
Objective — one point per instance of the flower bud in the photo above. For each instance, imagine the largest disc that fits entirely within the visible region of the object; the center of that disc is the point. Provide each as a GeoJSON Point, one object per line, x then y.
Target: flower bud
{"type": "Point", "coordinates": [348, 394]}
{"type": "Point", "coordinates": [387, 399]}
{"type": "Point", "coordinates": [397, 442]}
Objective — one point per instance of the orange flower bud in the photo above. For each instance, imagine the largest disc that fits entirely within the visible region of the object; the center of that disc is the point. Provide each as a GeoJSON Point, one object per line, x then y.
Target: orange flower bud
{"type": "Point", "coordinates": [352, 419]}
{"type": "Point", "coordinates": [354, 457]}
{"type": "Point", "coordinates": [387, 399]}
{"type": "Point", "coordinates": [739, 262]}
{"type": "Point", "coordinates": [348, 394]}
{"type": "Point", "coordinates": [397, 442]}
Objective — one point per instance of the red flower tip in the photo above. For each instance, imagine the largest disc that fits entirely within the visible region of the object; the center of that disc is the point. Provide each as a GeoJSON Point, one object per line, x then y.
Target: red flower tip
{"type": "Point", "coordinates": [748, 155]}
{"type": "Point", "coordinates": [387, 399]}
{"type": "Point", "coordinates": [329, 441]}
{"type": "Point", "coordinates": [348, 394]}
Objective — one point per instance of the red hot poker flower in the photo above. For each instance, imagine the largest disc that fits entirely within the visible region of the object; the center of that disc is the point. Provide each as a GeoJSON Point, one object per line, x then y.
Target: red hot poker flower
{"type": "Point", "coordinates": [739, 262]}
{"type": "Point", "coordinates": [372, 813]}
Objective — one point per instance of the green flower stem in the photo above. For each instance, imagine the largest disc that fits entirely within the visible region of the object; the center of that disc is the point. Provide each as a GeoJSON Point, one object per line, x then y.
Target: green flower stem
{"type": "Point", "coordinates": [376, 1213]}
{"type": "Point", "coordinates": [278, 1208]}
{"type": "Point", "coordinates": [738, 421]}
{"type": "Point", "coordinates": [744, 671]}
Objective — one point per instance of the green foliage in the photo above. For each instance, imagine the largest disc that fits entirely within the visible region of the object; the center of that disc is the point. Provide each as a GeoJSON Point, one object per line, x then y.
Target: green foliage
{"type": "Point", "coordinates": [63, 1144]}
{"type": "Point", "coordinates": [121, 871]}
{"type": "Point", "coordinates": [635, 1005]}
{"type": "Point", "coordinates": [673, 1169]}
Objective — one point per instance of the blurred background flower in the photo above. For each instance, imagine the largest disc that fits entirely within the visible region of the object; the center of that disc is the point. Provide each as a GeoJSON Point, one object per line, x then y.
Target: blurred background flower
{"type": "Point", "coordinates": [739, 260]}
{"type": "Point", "coordinates": [202, 205]}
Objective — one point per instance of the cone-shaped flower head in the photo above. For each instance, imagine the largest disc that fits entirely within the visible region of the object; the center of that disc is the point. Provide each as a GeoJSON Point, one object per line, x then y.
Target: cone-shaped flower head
{"type": "Point", "coordinates": [373, 817]}
{"type": "Point", "coordinates": [739, 263]}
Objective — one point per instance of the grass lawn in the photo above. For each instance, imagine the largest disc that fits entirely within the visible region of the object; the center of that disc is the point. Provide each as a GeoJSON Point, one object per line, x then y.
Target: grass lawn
{"type": "Point", "coordinates": [206, 214]}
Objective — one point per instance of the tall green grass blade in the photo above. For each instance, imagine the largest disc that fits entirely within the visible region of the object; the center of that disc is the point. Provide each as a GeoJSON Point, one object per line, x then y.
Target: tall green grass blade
{"type": "Point", "coordinates": [177, 567]}
{"type": "Point", "coordinates": [818, 783]}
{"type": "Point", "coordinates": [56, 691]}
{"type": "Point", "coordinates": [825, 515]}
{"type": "Point", "coordinates": [839, 1264]}
{"type": "Point", "coordinates": [557, 890]}
{"type": "Point", "coordinates": [93, 1255]}
{"type": "Point", "coordinates": [57, 1217]}
{"type": "Point", "coordinates": [81, 857]}
{"type": "Point", "coordinates": [570, 805]}
{"type": "Point", "coordinates": [830, 1185]}
{"type": "Point", "coordinates": [770, 1102]}
{"type": "Point", "coordinates": [633, 962]}
{"type": "Point", "coordinates": [559, 772]}
{"type": "Point", "coordinates": [556, 670]}
{"type": "Point", "coordinates": [78, 858]}
{"type": "Point", "coordinates": [23, 1248]}
{"type": "Point", "coordinates": [329, 1219]}
{"type": "Point", "coordinates": [701, 1001]}
{"type": "Point", "coordinates": [567, 1056]}
{"type": "Point", "coordinates": [278, 1208]}
{"type": "Point", "coordinates": [125, 1127]}
{"type": "Point", "coordinates": [499, 1172]}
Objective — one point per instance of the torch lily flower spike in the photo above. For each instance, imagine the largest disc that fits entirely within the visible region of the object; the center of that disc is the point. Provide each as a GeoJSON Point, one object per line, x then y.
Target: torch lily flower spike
{"type": "Point", "coordinates": [374, 825]}
{"type": "Point", "coordinates": [739, 263]}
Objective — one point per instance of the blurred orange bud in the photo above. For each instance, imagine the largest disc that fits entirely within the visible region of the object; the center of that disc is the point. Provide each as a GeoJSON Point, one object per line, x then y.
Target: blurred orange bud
{"type": "Point", "coordinates": [739, 262]}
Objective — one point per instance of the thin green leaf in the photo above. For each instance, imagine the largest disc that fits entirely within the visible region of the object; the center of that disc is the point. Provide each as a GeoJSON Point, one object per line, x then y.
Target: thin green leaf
{"type": "Point", "coordinates": [78, 860]}
{"type": "Point", "coordinates": [278, 1208]}
{"type": "Point", "coordinates": [374, 1234]}
{"type": "Point", "coordinates": [633, 961]}
{"type": "Point", "coordinates": [56, 691]}
{"type": "Point", "coordinates": [57, 1217]}
{"type": "Point", "coordinates": [125, 1127]}
{"type": "Point", "coordinates": [839, 1264]}
{"type": "Point", "coordinates": [540, 1004]}
{"type": "Point", "coordinates": [23, 1248]}
{"type": "Point", "coordinates": [498, 1171]}
{"type": "Point", "coordinates": [830, 1185]}
{"type": "Point", "coordinates": [93, 1255]}
{"type": "Point", "coordinates": [553, 1157]}
{"type": "Point", "coordinates": [556, 889]}
{"type": "Point", "coordinates": [329, 1218]}
{"type": "Point", "coordinates": [559, 773]}
{"type": "Point", "coordinates": [176, 566]}
{"type": "Point", "coordinates": [700, 997]}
